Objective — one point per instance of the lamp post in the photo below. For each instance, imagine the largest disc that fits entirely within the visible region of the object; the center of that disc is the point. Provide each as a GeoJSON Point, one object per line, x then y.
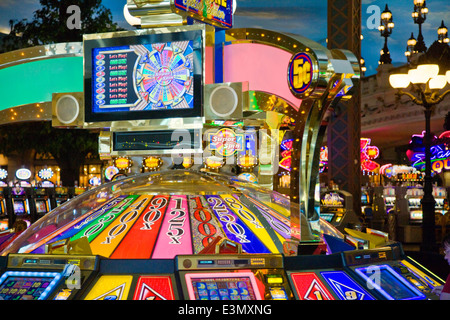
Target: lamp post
{"type": "Point", "coordinates": [410, 47]}
{"type": "Point", "coordinates": [362, 63]}
{"type": "Point", "coordinates": [443, 33]}
{"type": "Point", "coordinates": [420, 15]}
{"type": "Point", "coordinates": [427, 83]}
{"type": "Point", "coordinates": [385, 28]}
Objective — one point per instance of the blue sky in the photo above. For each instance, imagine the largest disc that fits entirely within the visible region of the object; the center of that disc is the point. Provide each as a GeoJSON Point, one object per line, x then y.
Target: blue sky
{"type": "Point", "coordinates": [305, 17]}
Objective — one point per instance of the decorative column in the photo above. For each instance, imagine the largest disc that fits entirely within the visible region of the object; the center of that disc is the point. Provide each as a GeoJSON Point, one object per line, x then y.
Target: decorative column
{"type": "Point", "coordinates": [344, 128]}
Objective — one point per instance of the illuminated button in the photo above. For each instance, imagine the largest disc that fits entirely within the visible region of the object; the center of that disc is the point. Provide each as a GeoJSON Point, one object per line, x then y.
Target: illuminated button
{"type": "Point", "coordinates": [30, 261]}
{"type": "Point", "coordinates": [258, 261]}
{"type": "Point", "coordinates": [274, 279]}
{"type": "Point", "coordinates": [205, 262]}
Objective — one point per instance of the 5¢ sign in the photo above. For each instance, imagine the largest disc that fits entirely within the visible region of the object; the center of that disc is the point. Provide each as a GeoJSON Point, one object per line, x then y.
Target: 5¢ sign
{"type": "Point", "coordinates": [300, 73]}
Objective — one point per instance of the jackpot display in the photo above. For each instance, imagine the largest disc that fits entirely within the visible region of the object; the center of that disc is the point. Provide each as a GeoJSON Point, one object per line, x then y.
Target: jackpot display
{"type": "Point", "coordinates": [151, 76]}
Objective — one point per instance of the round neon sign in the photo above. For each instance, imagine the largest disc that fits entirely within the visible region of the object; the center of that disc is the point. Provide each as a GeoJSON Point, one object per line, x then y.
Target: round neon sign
{"type": "Point", "coordinates": [300, 73]}
{"type": "Point", "coordinates": [23, 174]}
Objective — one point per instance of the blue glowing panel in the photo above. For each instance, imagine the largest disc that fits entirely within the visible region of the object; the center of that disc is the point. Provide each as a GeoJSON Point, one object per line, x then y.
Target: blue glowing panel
{"type": "Point", "coordinates": [389, 283]}
{"type": "Point", "coordinates": [344, 286]}
{"type": "Point", "coordinates": [23, 285]}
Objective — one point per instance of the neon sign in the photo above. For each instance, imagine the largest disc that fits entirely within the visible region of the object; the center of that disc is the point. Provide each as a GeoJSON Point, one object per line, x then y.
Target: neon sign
{"type": "Point", "coordinates": [440, 154]}
{"type": "Point", "coordinates": [23, 174]}
{"type": "Point", "coordinates": [368, 154]}
{"type": "Point", "coordinates": [332, 199]}
{"type": "Point", "coordinates": [226, 142]}
{"type": "Point", "coordinates": [286, 153]}
{"type": "Point", "coordinates": [323, 159]}
{"type": "Point", "coordinates": [300, 73]}
{"type": "Point", "coordinates": [215, 12]}
{"type": "Point", "coordinates": [3, 174]}
{"type": "Point", "coordinates": [45, 174]}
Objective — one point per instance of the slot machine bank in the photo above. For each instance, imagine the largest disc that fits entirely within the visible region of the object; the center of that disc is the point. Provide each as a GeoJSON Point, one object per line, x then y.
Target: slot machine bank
{"type": "Point", "coordinates": [336, 207]}
{"type": "Point", "coordinates": [155, 235]}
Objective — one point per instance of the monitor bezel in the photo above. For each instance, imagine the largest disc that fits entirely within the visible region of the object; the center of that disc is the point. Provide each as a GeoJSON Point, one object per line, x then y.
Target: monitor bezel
{"type": "Point", "coordinates": [195, 33]}
{"type": "Point", "coordinates": [56, 277]}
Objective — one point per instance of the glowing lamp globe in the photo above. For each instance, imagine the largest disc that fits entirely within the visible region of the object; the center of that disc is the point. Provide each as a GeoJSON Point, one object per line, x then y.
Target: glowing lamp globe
{"type": "Point", "coordinates": [399, 80]}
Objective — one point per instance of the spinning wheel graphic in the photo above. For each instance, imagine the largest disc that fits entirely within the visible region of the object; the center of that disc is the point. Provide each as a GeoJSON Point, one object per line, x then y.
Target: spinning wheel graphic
{"type": "Point", "coordinates": [164, 76]}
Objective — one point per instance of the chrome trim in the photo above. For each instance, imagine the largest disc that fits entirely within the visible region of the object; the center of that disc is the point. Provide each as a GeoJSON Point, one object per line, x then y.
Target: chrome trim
{"type": "Point", "coordinates": [55, 50]}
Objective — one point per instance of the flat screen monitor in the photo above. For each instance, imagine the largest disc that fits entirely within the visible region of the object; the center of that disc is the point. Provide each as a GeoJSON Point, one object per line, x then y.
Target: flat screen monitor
{"type": "Point", "coordinates": [19, 207]}
{"type": "Point", "coordinates": [24, 285]}
{"type": "Point", "coordinates": [327, 216]}
{"type": "Point", "coordinates": [364, 199]}
{"type": "Point", "coordinates": [4, 225]}
{"type": "Point", "coordinates": [389, 283]}
{"type": "Point", "coordinates": [222, 286]}
{"type": "Point", "coordinates": [144, 76]}
{"type": "Point", "coordinates": [41, 206]}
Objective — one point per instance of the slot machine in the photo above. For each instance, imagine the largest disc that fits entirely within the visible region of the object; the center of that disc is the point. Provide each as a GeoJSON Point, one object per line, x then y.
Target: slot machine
{"type": "Point", "coordinates": [43, 201]}
{"type": "Point", "coordinates": [414, 196]}
{"type": "Point", "coordinates": [336, 207]}
{"type": "Point", "coordinates": [61, 195]}
{"type": "Point", "coordinates": [4, 217]}
{"type": "Point", "coordinates": [19, 199]}
{"type": "Point", "coordinates": [384, 203]}
{"type": "Point", "coordinates": [410, 220]}
{"type": "Point", "coordinates": [46, 277]}
{"type": "Point", "coordinates": [233, 277]}
{"type": "Point", "coordinates": [441, 212]}
{"type": "Point", "coordinates": [388, 274]}
{"type": "Point", "coordinates": [140, 279]}
{"type": "Point", "coordinates": [366, 201]}
{"type": "Point", "coordinates": [322, 277]}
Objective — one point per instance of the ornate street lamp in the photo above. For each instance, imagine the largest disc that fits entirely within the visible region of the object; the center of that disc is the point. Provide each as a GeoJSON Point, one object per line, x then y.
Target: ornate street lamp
{"type": "Point", "coordinates": [362, 63]}
{"type": "Point", "coordinates": [385, 28]}
{"type": "Point", "coordinates": [410, 47]}
{"type": "Point", "coordinates": [426, 83]}
{"type": "Point", "coordinates": [443, 33]}
{"type": "Point", "coordinates": [420, 15]}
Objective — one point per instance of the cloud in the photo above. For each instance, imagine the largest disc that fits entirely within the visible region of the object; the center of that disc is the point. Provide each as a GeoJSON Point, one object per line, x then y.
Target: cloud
{"type": "Point", "coordinates": [4, 29]}
{"type": "Point", "coordinates": [364, 2]}
{"type": "Point", "coordinates": [14, 3]}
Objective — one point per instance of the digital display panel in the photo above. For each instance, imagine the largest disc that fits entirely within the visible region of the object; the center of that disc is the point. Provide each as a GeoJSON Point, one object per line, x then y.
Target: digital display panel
{"type": "Point", "coordinates": [152, 76]}
{"type": "Point", "coordinates": [20, 285]}
{"type": "Point", "coordinates": [19, 206]}
{"type": "Point", "coordinates": [390, 284]}
{"type": "Point", "coordinates": [41, 206]}
{"type": "Point", "coordinates": [156, 140]}
{"type": "Point", "coordinates": [222, 286]}
{"type": "Point", "coordinates": [327, 216]}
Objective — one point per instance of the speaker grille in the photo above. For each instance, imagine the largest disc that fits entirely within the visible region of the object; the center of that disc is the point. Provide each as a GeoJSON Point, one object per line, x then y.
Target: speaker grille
{"type": "Point", "coordinates": [67, 109]}
{"type": "Point", "coordinates": [223, 101]}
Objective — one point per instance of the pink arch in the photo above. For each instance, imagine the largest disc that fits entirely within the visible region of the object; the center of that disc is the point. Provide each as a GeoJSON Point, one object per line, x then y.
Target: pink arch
{"type": "Point", "coordinates": [265, 68]}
